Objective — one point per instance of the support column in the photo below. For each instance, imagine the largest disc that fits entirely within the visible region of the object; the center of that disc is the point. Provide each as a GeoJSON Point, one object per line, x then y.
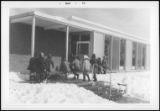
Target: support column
{"type": "Point", "coordinates": [67, 40]}
{"type": "Point", "coordinates": [33, 36]}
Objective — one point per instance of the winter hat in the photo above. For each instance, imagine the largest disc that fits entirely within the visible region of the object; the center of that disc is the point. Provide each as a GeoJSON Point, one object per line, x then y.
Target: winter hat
{"type": "Point", "coordinates": [86, 57]}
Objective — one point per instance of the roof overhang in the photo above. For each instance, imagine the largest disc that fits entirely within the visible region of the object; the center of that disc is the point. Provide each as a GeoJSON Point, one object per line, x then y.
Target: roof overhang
{"type": "Point", "coordinates": [76, 24]}
{"type": "Point", "coordinates": [46, 21]}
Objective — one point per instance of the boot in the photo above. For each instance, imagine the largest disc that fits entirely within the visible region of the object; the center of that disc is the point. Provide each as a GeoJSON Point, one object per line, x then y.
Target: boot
{"type": "Point", "coordinates": [94, 77]}
{"type": "Point", "coordinates": [78, 76]}
{"type": "Point", "coordinates": [88, 77]}
{"type": "Point", "coordinates": [84, 78]}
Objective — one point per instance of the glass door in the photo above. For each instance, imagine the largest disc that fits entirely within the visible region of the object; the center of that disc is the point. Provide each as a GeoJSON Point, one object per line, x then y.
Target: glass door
{"type": "Point", "coordinates": [83, 48]}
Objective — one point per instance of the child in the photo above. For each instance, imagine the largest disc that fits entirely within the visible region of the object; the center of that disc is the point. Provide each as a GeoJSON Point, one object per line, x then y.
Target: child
{"type": "Point", "coordinates": [65, 67]}
{"type": "Point", "coordinates": [86, 67]}
{"type": "Point", "coordinates": [94, 64]}
{"type": "Point", "coordinates": [41, 67]}
{"type": "Point", "coordinates": [76, 67]}
{"type": "Point", "coordinates": [49, 64]}
{"type": "Point", "coordinates": [99, 65]}
{"type": "Point", "coordinates": [33, 67]}
{"type": "Point", "coordinates": [104, 64]}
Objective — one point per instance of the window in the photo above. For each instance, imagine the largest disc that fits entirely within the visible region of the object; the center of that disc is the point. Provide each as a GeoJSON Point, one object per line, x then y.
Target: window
{"type": "Point", "coordinates": [143, 56]}
{"type": "Point", "coordinates": [134, 52]}
{"type": "Point", "coordinates": [107, 49]}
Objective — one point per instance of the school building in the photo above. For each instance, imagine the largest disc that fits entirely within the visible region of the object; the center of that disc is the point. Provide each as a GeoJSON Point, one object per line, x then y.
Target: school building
{"type": "Point", "coordinates": [33, 32]}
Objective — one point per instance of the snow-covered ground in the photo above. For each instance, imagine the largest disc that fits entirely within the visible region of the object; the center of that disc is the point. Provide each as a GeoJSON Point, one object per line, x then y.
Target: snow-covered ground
{"type": "Point", "coordinates": [49, 93]}
{"type": "Point", "coordinates": [138, 82]}
{"type": "Point", "coordinates": [22, 92]}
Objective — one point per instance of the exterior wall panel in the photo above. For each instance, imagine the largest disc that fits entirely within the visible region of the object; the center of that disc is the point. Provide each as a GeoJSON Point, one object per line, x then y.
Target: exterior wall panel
{"type": "Point", "coordinates": [128, 61]}
{"type": "Point", "coordinates": [92, 43]}
{"type": "Point", "coordinates": [115, 54]}
{"type": "Point", "coordinates": [99, 44]}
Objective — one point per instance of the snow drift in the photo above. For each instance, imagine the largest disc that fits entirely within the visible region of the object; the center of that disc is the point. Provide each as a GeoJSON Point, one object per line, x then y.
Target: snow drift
{"type": "Point", "coordinates": [21, 92]}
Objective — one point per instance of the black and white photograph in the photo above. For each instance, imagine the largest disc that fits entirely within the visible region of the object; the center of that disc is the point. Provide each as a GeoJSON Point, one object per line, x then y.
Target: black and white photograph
{"type": "Point", "coordinates": [80, 55]}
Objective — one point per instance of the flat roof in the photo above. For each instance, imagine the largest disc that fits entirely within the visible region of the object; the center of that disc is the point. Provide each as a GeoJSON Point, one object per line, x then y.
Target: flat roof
{"type": "Point", "coordinates": [76, 24]}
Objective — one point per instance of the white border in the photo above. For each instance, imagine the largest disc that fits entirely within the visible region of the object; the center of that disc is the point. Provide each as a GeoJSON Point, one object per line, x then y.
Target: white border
{"type": "Point", "coordinates": [154, 53]}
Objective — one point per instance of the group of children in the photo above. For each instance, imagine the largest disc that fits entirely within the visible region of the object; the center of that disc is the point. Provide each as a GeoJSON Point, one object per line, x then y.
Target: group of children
{"type": "Point", "coordinates": [93, 65]}
{"type": "Point", "coordinates": [40, 67]}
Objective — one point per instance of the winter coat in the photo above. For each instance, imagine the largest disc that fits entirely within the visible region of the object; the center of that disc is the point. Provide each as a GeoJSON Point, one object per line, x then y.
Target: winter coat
{"type": "Point", "coordinates": [76, 65]}
{"type": "Point", "coordinates": [104, 63]}
{"type": "Point", "coordinates": [92, 61]}
{"type": "Point", "coordinates": [40, 64]}
{"type": "Point", "coordinates": [99, 62]}
{"type": "Point", "coordinates": [32, 65]}
{"type": "Point", "coordinates": [49, 64]}
{"type": "Point", "coordinates": [65, 67]}
{"type": "Point", "coordinates": [86, 65]}
{"type": "Point", "coordinates": [94, 66]}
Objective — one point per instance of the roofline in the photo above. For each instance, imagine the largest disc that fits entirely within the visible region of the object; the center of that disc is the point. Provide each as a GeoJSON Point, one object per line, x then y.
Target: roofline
{"type": "Point", "coordinates": [84, 25]}
{"type": "Point", "coordinates": [102, 26]}
{"type": "Point", "coordinates": [61, 20]}
{"type": "Point", "coordinates": [22, 15]}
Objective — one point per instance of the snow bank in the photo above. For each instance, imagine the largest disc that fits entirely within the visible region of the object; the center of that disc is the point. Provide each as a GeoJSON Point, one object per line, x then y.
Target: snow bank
{"type": "Point", "coordinates": [50, 93]}
{"type": "Point", "coordinates": [138, 86]}
{"type": "Point", "coordinates": [17, 76]}
{"type": "Point", "coordinates": [138, 83]}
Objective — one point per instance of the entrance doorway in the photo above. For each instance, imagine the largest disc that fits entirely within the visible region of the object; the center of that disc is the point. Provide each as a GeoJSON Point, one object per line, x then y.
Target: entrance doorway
{"type": "Point", "coordinates": [79, 44]}
{"type": "Point", "coordinates": [82, 48]}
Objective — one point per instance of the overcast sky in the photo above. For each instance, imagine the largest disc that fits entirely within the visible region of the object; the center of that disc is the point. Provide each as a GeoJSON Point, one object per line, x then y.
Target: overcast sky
{"type": "Point", "coordinates": [130, 20]}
